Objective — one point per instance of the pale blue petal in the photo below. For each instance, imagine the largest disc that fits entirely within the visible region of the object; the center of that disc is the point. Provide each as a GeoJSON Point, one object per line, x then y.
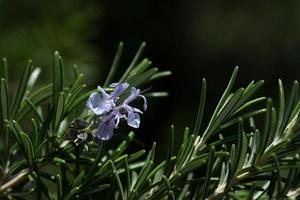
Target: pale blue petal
{"type": "Point", "coordinates": [145, 101]}
{"type": "Point", "coordinates": [129, 108]}
{"type": "Point", "coordinates": [112, 85]}
{"type": "Point", "coordinates": [99, 104]}
{"type": "Point", "coordinates": [102, 92]}
{"type": "Point", "coordinates": [134, 93]}
{"type": "Point", "coordinates": [105, 130]}
{"type": "Point", "coordinates": [137, 110]}
{"type": "Point", "coordinates": [133, 119]}
{"type": "Point", "coordinates": [119, 88]}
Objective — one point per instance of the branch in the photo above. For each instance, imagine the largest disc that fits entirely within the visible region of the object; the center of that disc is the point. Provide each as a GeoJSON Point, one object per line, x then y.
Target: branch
{"type": "Point", "coordinates": [15, 181]}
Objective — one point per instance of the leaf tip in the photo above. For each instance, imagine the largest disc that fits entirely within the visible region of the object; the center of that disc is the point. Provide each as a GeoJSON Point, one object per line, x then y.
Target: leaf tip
{"type": "Point", "coordinates": [56, 53]}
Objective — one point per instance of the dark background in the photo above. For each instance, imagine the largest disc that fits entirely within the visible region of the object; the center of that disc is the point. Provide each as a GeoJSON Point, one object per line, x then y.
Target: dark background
{"type": "Point", "coordinates": [194, 39]}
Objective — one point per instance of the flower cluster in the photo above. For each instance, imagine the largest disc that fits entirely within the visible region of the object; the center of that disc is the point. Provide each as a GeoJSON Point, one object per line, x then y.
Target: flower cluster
{"type": "Point", "coordinates": [110, 110]}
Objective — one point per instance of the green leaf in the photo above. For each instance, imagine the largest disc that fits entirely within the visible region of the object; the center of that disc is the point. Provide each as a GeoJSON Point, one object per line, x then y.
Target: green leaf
{"type": "Point", "coordinates": [248, 93]}
{"type": "Point", "coordinates": [146, 169]}
{"type": "Point", "coordinates": [186, 187]}
{"type": "Point", "coordinates": [99, 188]}
{"type": "Point", "coordinates": [243, 116]}
{"type": "Point", "coordinates": [28, 147]}
{"type": "Point", "coordinates": [168, 186]}
{"type": "Point", "coordinates": [139, 80]}
{"type": "Point", "coordinates": [77, 102]}
{"type": "Point", "coordinates": [156, 169]}
{"type": "Point", "coordinates": [223, 114]}
{"type": "Point", "coordinates": [290, 179]}
{"type": "Point", "coordinates": [184, 151]}
{"type": "Point", "coordinates": [78, 180]}
{"type": "Point", "coordinates": [248, 104]}
{"type": "Point", "coordinates": [59, 192]}
{"type": "Point", "coordinates": [36, 98]}
{"type": "Point", "coordinates": [118, 180]}
{"type": "Point", "coordinates": [133, 63]}
{"type": "Point", "coordinates": [41, 187]}
{"type": "Point", "coordinates": [71, 194]}
{"type": "Point", "coordinates": [226, 93]}
{"type": "Point", "coordinates": [95, 164]}
{"type": "Point", "coordinates": [123, 146]}
{"type": "Point", "coordinates": [241, 147]}
{"type": "Point", "coordinates": [114, 65]}
{"type": "Point", "coordinates": [280, 110]}
{"type": "Point", "coordinates": [170, 151]}
{"type": "Point", "coordinates": [223, 178]}
{"type": "Point", "coordinates": [5, 108]}
{"type": "Point", "coordinates": [201, 108]}
{"type": "Point", "coordinates": [199, 161]}
{"type": "Point", "coordinates": [208, 171]}
{"type": "Point", "coordinates": [58, 75]}
{"type": "Point", "coordinates": [39, 92]}
{"type": "Point", "coordinates": [234, 196]}
{"type": "Point", "coordinates": [23, 140]}
{"type": "Point", "coordinates": [5, 69]}
{"type": "Point", "coordinates": [21, 89]}
{"type": "Point", "coordinates": [72, 97]}
{"type": "Point", "coordinates": [75, 71]}
{"type": "Point", "coordinates": [34, 133]}
{"type": "Point", "coordinates": [127, 170]}
{"type": "Point", "coordinates": [33, 77]}
{"type": "Point", "coordinates": [59, 161]}
{"type": "Point", "coordinates": [34, 109]}
{"type": "Point", "coordinates": [59, 113]}
{"type": "Point", "coordinates": [156, 94]}
{"type": "Point", "coordinates": [278, 176]}
{"type": "Point", "coordinates": [136, 155]}
{"type": "Point", "coordinates": [160, 75]}
{"type": "Point", "coordinates": [140, 68]}
{"type": "Point", "coordinates": [183, 144]}
{"type": "Point", "coordinates": [76, 83]}
{"type": "Point", "coordinates": [294, 96]}
{"type": "Point", "coordinates": [5, 115]}
{"type": "Point", "coordinates": [266, 133]}
{"type": "Point", "coordinates": [26, 109]}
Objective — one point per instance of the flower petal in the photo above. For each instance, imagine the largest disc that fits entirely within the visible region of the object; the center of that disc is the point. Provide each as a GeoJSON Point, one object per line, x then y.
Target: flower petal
{"type": "Point", "coordinates": [137, 110]}
{"type": "Point", "coordinates": [99, 104]}
{"type": "Point", "coordinates": [134, 93]}
{"type": "Point", "coordinates": [105, 130]}
{"type": "Point", "coordinates": [145, 101]}
{"type": "Point", "coordinates": [112, 85]}
{"type": "Point", "coordinates": [133, 119]}
{"type": "Point", "coordinates": [119, 88]}
{"type": "Point", "coordinates": [103, 93]}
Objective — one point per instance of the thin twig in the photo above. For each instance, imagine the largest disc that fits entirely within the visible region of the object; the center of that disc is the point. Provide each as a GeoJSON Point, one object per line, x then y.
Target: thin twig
{"type": "Point", "coordinates": [15, 181]}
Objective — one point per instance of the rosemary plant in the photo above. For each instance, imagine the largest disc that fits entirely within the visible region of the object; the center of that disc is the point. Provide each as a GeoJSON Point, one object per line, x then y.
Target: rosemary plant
{"type": "Point", "coordinates": [55, 141]}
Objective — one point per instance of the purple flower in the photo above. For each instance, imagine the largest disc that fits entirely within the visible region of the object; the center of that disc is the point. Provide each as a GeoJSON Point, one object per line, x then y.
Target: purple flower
{"type": "Point", "coordinates": [101, 102]}
{"type": "Point", "coordinates": [109, 122]}
{"type": "Point", "coordinates": [133, 117]}
{"type": "Point", "coordinates": [115, 113]}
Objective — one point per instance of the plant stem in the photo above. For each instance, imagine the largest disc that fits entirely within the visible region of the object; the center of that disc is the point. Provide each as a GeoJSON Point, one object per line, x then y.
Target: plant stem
{"type": "Point", "coordinates": [15, 181]}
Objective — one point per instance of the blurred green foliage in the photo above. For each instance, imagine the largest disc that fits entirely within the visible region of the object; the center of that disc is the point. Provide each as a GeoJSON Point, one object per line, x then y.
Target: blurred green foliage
{"type": "Point", "coordinates": [34, 29]}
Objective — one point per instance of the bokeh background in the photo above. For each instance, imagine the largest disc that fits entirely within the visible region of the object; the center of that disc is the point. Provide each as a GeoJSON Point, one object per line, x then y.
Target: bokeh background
{"type": "Point", "coordinates": [192, 38]}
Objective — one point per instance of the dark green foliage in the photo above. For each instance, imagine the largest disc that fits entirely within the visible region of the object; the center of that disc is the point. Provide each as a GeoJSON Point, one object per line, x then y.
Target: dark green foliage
{"type": "Point", "coordinates": [231, 157]}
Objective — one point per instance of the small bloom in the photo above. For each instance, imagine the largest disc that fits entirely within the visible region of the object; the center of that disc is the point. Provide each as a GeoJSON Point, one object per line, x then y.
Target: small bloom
{"type": "Point", "coordinates": [112, 111]}
{"type": "Point", "coordinates": [101, 102]}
